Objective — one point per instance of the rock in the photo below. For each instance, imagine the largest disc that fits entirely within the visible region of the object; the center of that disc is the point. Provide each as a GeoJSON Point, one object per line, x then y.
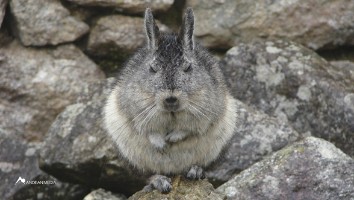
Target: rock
{"type": "Point", "coordinates": [315, 24]}
{"type": "Point", "coordinates": [257, 135]}
{"type": "Point", "coordinates": [297, 86]}
{"type": "Point", "coordinates": [117, 35]}
{"type": "Point", "coordinates": [184, 190]}
{"type": "Point", "coordinates": [2, 10]}
{"type": "Point", "coordinates": [310, 169]}
{"type": "Point", "coordinates": [37, 84]}
{"type": "Point", "coordinates": [45, 22]}
{"type": "Point", "coordinates": [17, 159]}
{"type": "Point", "coordinates": [78, 150]}
{"type": "Point", "coordinates": [346, 69]}
{"type": "Point", "coordinates": [137, 6]}
{"type": "Point", "coordinates": [52, 189]}
{"type": "Point", "coordinates": [5, 38]}
{"type": "Point", "coordinates": [100, 194]}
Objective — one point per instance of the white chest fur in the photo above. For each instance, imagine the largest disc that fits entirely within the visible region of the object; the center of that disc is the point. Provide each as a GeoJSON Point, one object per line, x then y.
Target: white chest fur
{"type": "Point", "coordinates": [198, 149]}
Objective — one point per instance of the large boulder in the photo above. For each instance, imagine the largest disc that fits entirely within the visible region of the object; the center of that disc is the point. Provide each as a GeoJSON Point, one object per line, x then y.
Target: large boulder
{"type": "Point", "coordinates": [136, 6]}
{"type": "Point", "coordinates": [313, 23]}
{"type": "Point", "coordinates": [37, 84]}
{"type": "Point", "coordinates": [257, 135]}
{"type": "Point", "coordinates": [294, 84]}
{"type": "Point", "coordinates": [117, 35]}
{"type": "Point", "coordinates": [45, 22]}
{"type": "Point", "coordinates": [310, 169]}
{"type": "Point", "coordinates": [18, 161]}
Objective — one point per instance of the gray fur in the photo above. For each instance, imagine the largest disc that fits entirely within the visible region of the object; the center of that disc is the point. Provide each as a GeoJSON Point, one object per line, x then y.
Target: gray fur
{"type": "Point", "coordinates": [170, 137]}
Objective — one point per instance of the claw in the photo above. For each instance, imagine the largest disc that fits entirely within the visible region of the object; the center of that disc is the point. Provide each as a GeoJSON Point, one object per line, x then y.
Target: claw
{"type": "Point", "coordinates": [159, 182]}
{"type": "Point", "coordinates": [195, 173]}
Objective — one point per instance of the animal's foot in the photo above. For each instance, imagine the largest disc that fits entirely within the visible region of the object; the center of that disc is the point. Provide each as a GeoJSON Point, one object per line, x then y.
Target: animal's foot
{"type": "Point", "coordinates": [195, 173]}
{"type": "Point", "coordinates": [159, 182]}
{"type": "Point", "coordinates": [175, 136]}
{"type": "Point", "coordinates": [157, 141]}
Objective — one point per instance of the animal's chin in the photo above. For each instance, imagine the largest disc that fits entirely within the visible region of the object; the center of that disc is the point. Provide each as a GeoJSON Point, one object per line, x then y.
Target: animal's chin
{"type": "Point", "coordinates": [173, 111]}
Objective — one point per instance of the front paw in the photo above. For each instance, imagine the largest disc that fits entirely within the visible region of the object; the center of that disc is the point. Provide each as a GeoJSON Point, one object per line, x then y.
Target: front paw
{"type": "Point", "coordinates": [157, 141]}
{"type": "Point", "coordinates": [175, 136]}
{"type": "Point", "coordinates": [162, 183]}
{"type": "Point", "coordinates": [195, 173]}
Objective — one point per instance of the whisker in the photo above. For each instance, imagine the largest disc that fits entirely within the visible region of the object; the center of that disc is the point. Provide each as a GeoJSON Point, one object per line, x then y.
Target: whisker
{"type": "Point", "coordinates": [201, 107]}
{"type": "Point", "coordinates": [142, 124]}
{"type": "Point", "coordinates": [199, 111]}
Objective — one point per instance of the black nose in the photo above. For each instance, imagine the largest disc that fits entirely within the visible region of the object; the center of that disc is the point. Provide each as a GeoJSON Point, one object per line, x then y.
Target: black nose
{"type": "Point", "coordinates": [171, 103]}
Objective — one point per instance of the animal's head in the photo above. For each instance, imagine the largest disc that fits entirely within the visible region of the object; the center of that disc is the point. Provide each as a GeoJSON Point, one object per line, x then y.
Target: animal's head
{"type": "Point", "coordinates": [173, 72]}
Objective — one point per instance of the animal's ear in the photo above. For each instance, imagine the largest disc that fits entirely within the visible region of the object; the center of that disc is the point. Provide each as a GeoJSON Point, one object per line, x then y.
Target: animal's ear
{"type": "Point", "coordinates": [186, 32]}
{"type": "Point", "coordinates": [151, 30]}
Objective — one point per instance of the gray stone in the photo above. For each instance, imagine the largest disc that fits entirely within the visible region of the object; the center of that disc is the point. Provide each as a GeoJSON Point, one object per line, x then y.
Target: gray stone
{"type": "Point", "coordinates": [43, 22]}
{"type": "Point", "coordinates": [78, 150]}
{"type": "Point", "coordinates": [2, 10]}
{"type": "Point", "coordinates": [313, 23]}
{"type": "Point", "coordinates": [19, 159]}
{"type": "Point", "coordinates": [297, 86]}
{"type": "Point", "coordinates": [45, 187]}
{"type": "Point", "coordinates": [136, 6]}
{"type": "Point", "coordinates": [345, 69]}
{"type": "Point", "coordinates": [183, 189]}
{"type": "Point", "coordinates": [257, 135]}
{"type": "Point", "coordinates": [37, 84]}
{"type": "Point", "coordinates": [117, 35]}
{"type": "Point", "coordinates": [310, 169]}
{"type": "Point", "coordinates": [101, 194]}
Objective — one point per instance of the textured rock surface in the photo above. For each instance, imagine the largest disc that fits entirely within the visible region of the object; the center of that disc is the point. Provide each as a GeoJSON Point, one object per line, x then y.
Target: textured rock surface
{"type": "Point", "coordinates": [310, 169]}
{"type": "Point", "coordinates": [2, 10]}
{"type": "Point", "coordinates": [77, 149]}
{"type": "Point", "coordinates": [136, 6]}
{"type": "Point", "coordinates": [257, 136]}
{"type": "Point", "coordinates": [315, 24]}
{"type": "Point", "coordinates": [54, 190]}
{"type": "Point", "coordinates": [43, 22]}
{"type": "Point", "coordinates": [37, 84]}
{"type": "Point", "coordinates": [101, 194]}
{"type": "Point", "coordinates": [116, 35]}
{"type": "Point", "coordinates": [344, 70]}
{"type": "Point", "coordinates": [184, 190]}
{"type": "Point", "coordinates": [17, 158]}
{"type": "Point", "coordinates": [294, 84]}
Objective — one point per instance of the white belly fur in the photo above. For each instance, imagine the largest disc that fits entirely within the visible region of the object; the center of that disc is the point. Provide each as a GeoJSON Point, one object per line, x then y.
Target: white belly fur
{"type": "Point", "coordinates": [197, 150]}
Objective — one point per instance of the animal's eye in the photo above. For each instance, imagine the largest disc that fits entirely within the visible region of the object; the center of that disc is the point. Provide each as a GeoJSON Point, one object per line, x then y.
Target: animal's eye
{"type": "Point", "coordinates": [188, 68]}
{"type": "Point", "coordinates": [152, 70]}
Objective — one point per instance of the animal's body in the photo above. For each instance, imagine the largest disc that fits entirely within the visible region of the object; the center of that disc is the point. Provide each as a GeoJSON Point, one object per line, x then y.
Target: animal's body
{"type": "Point", "coordinates": [170, 111]}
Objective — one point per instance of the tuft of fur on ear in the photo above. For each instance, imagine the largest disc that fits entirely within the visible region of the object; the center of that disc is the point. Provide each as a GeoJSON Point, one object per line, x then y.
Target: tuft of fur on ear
{"type": "Point", "coordinates": [151, 30]}
{"type": "Point", "coordinates": [186, 32]}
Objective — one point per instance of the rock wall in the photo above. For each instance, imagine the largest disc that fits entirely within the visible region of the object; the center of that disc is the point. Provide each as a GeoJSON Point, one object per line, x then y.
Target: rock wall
{"type": "Point", "coordinates": [296, 136]}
